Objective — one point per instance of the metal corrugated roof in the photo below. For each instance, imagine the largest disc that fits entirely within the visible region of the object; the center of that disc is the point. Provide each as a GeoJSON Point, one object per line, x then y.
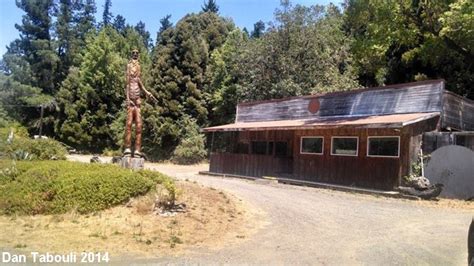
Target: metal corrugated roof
{"type": "Point", "coordinates": [382, 121]}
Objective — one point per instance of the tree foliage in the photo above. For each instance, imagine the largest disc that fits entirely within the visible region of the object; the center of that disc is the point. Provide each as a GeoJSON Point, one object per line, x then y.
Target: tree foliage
{"type": "Point", "coordinates": [107, 14]}
{"type": "Point", "coordinates": [191, 148]}
{"type": "Point", "coordinates": [91, 97]}
{"type": "Point", "coordinates": [258, 29]}
{"type": "Point", "coordinates": [140, 28]}
{"type": "Point", "coordinates": [119, 24]}
{"type": "Point", "coordinates": [178, 76]}
{"type": "Point", "coordinates": [400, 41]}
{"type": "Point", "coordinates": [203, 66]}
{"type": "Point", "coordinates": [210, 6]}
{"type": "Point", "coordinates": [303, 51]}
{"type": "Point", "coordinates": [35, 45]}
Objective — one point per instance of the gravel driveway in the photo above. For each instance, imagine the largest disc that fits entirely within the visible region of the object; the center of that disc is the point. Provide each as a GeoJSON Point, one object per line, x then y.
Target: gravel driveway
{"type": "Point", "coordinates": [304, 225]}
{"type": "Point", "coordinates": [316, 226]}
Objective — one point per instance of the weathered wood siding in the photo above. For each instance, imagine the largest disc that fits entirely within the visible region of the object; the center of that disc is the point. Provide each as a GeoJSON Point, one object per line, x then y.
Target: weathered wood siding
{"type": "Point", "coordinates": [435, 140]}
{"type": "Point", "coordinates": [417, 97]}
{"type": "Point", "coordinates": [249, 164]}
{"type": "Point", "coordinates": [458, 113]}
{"type": "Point", "coordinates": [362, 171]}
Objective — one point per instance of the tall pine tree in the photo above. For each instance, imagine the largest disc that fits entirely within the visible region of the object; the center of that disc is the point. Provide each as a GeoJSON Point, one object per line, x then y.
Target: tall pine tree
{"type": "Point", "coordinates": [119, 24]}
{"type": "Point", "coordinates": [210, 6]}
{"type": "Point", "coordinates": [107, 14]}
{"type": "Point", "coordinates": [258, 29]}
{"type": "Point", "coordinates": [66, 37]}
{"type": "Point", "coordinates": [179, 76]}
{"type": "Point", "coordinates": [36, 44]}
{"type": "Point", "coordinates": [165, 24]}
{"type": "Point", "coordinates": [85, 18]}
{"type": "Point", "coordinates": [140, 28]}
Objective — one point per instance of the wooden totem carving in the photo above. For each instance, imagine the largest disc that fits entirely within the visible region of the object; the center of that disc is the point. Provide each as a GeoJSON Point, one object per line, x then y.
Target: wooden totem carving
{"type": "Point", "coordinates": [133, 91]}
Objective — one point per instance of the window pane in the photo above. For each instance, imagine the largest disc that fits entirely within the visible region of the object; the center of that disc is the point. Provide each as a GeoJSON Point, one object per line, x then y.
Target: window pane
{"type": "Point", "coordinates": [270, 148]}
{"type": "Point", "coordinates": [259, 147]}
{"type": "Point", "coordinates": [242, 148]}
{"type": "Point", "coordinates": [281, 149]}
{"type": "Point", "coordinates": [344, 146]}
{"type": "Point", "coordinates": [312, 145]}
{"type": "Point", "coordinates": [383, 146]}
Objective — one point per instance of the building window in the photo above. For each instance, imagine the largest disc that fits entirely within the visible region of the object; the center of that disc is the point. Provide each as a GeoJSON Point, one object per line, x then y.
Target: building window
{"type": "Point", "coordinates": [241, 148]}
{"type": "Point", "coordinates": [281, 149]}
{"type": "Point", "coordinates": [259, 147]}
{"type": "Point", "coordinates": [383, 146]}
{"type": "Point", "coordinates": [312, 145]}
{"type": "Point", "coordinates": [270, 147]}
{"type": "Point", "coordinates": [345, 146]}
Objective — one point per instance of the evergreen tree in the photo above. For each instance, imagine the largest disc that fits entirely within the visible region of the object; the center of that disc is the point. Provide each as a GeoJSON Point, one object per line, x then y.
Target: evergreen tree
{"type": "Point", "coordinates": [107, 14]}
{"type": "Point", "coordinates": [258, 29]}
{"type": "Point", "coordinates": [225, 75]}
{"type": "Point", "coordinates": [15, 64]}
{"type": "Point", "coordinates": [84, 19]}
{"type": "Point", "coordinates": [140, 28]}
{"type": "Point", "coordinates": [210, 6]}
{"type": "Point", "coordinates": [35, 43]}
{"type": "Point", "coordinates": [191, 148]}
{"type": "Point", "coordinates": [165, 24]}
{"type": "Point", "coordinates": [21, 101]}
{"type": "Point", "coordinates": [119, 24]}
{"type": "Point", "coordinates": [179, 76]}
{"type": "Point", "coordinates": [66, 37]}
{"type": "Point", "coordinates": [91, 97]}
{"type": "Point", "coordinates": [246, 31]}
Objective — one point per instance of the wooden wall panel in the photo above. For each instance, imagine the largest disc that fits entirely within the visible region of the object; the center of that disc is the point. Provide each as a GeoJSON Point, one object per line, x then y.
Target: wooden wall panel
{"type": "Point", "coordinates": [361, 171]}
{"type": "Point", "coordinates": [458, 113]}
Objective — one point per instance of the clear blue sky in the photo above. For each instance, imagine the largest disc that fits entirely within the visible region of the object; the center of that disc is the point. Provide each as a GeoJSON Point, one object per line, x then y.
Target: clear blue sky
{"type": "Point", "coordinates": [243, 12]}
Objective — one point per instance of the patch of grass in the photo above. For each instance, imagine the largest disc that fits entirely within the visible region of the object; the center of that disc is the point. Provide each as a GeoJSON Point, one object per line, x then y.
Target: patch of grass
{"type": "Point", "coordinates": [20, 246]}
{"type": "Point", "coordinates": [175, 240]}
{"type": "Point", "coordinates": [99, 235]}
{"type": "Point", "coordinates": [56, 187]}
{"type": "Point", "coordinates": [94, 235]}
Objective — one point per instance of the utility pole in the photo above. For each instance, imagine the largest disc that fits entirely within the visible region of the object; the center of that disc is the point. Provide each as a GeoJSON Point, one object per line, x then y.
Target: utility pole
{"type": "Point", "coordinates": [41, 121]}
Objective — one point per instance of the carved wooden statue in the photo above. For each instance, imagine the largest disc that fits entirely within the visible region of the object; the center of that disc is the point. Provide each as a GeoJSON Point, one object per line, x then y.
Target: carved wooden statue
{"type": "Point", "coordinates": [133, 91]}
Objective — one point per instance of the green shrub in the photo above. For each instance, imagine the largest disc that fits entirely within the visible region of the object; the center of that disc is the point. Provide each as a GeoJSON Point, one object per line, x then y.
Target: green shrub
{"type": "Point", "coordinates": [111, 152]}
{"type": "Point", "coordinates": [191, 149]}
{"type": "Point", "coordinates": [23, 148]}
{"type": "Point", "coordinates": [41, 149]}
{"type": "Point", "coordinates": [52, 187]}
{"type": "Point", "coordinates": [18, 130]}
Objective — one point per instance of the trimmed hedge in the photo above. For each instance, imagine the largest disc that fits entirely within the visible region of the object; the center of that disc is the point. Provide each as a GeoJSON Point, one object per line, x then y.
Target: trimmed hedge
{"type": "Point", "coordinates": [53, 187]}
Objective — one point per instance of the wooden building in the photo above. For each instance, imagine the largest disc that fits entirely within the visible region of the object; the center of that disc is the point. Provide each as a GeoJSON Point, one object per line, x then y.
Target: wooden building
{"type": "Point", "coordinates": [366, 138]}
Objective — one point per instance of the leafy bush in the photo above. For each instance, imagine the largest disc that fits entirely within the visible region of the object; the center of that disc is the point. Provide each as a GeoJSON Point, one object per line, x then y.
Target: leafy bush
{"type": "Point", "coordinates": [191, 148]}
{"type": "Point", "coordinates": [111, 152]}
{"type": "Point", "coordinates": [51, 187]}
{"type": "Point", "coordinates": [20, 147]}
{"type": "Point", "coordinates": [41, 149]}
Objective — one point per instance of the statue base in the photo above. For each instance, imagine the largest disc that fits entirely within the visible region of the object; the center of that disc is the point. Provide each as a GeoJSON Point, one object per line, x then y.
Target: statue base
{"type": "Point", "coordinates": [132, 163]}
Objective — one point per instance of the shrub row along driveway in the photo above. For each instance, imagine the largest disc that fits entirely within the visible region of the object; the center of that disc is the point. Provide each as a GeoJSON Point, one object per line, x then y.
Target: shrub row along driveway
{"type": "Point", "coordinates": [316, 226]}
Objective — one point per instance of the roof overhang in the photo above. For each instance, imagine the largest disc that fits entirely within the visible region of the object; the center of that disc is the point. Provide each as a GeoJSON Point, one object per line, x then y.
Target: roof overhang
{"type": "Point", "coordinates": [379, 121]}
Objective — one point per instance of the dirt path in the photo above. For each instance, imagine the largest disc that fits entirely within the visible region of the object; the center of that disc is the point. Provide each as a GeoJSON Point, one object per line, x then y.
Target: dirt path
{"type": "Point", "coordinates": [316, 226]}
